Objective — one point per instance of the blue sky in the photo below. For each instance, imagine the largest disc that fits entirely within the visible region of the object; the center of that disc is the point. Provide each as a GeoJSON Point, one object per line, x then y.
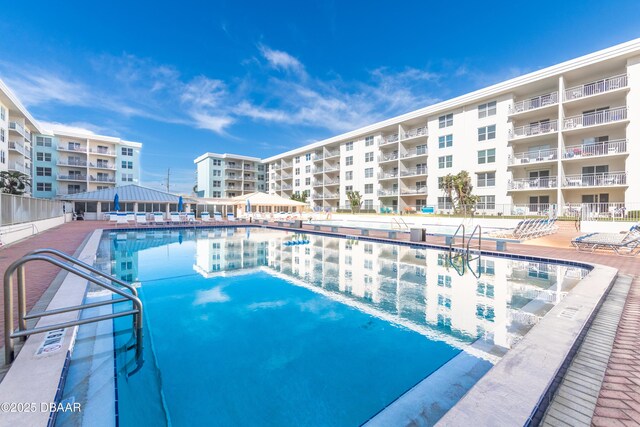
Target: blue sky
{"type": "Point", "coordinates": [261, 77]}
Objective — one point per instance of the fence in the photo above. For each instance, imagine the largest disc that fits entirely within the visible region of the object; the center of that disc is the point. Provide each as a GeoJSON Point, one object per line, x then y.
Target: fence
{"type": "Point", "coordinates": [20, 209]}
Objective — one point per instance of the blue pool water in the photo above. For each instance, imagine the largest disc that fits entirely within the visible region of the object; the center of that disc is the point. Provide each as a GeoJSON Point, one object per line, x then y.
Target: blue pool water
{"type": "Point", "coordinates": [243, 329]}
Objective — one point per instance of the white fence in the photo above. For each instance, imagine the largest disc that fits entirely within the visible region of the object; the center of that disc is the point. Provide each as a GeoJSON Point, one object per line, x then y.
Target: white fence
{"type": "Point", "coordinates": [20, 209]}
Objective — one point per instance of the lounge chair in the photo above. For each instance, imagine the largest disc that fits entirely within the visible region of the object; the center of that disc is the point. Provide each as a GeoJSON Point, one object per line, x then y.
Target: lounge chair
{"type": "Point", "coordinates": [141, 219]}
{"type": "Point", "coordinates": [175, 218]}
{"type": "Point", "coordinates": [205, 217]}
{"type": "Point", "coordinates": [122, 219]}
{"type": "Point", "coordinates": [113, 218]}
{"type": "Point", "coordinates": [217, 217]}
{"type": "Point", "coordinates": [231, 217]}
{"type": "Point", "coordinates": [627, 244]}
{"type": "Point", "coordinates": [131, 217]}
{"type": "Point", "coordinates": [158, 218]}
{"type": "Point", "coordinates": [191, 217]}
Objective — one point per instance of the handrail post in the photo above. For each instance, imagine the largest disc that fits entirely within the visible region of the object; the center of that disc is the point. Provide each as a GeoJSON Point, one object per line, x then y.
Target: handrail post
{"type": "Point", "coordinates": [22, 300]}
{"type": "Point", "coordinates": [8, 317]}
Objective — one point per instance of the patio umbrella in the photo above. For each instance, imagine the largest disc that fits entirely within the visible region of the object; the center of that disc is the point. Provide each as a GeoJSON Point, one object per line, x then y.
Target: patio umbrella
{"type": "Point", "coordinates": [116, 203]}
{"type": "Point", "coordinates": [248, 206]}
{"type": "Point", "coordinates": [180, 204]}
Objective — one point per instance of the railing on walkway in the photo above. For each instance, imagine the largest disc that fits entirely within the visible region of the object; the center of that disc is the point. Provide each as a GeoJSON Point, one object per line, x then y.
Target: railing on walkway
{"type": "Point", "coordinates": [19, 209]}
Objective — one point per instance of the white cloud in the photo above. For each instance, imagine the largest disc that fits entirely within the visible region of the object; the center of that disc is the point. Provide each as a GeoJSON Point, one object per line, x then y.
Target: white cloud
{"type": "Point", "coordinates": [41, 87]}
{"type": "Point", "coordinates": [79, 127]}
{"type": "Point", "coordinates": [281, 60]}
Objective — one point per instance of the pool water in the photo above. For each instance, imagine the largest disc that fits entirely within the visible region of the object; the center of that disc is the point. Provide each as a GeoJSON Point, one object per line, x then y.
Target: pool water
{"type": "Point", "coordinates": [243, 329]}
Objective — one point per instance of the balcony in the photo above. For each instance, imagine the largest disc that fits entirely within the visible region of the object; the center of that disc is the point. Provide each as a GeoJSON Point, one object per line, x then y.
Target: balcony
{"type": "Point", "coordinates": [233, 166]}
{"type": "Point", "coordinates": [533, 183]}
{"type": "Point", "coordinates": [534, 129]}
{"type": "Point", "coordinates": [231, 187]}
{"type": "Point", "coordinates": [109, 179]}
{"type": "Point", "coordinates": [72, 177]}
{"type": "Point", "coordinates": [101, 166]}
{"type": "Point", "coordinates": [328, 182]}
{"type": "Point", "coordinates": [415, 190]}
{"type": "Point", "coordinates": [72, 148]}
{"type": "Point", "coordinates": [529, 157]}
{"type": "Point", "coordinates": [317, 196]}
{"type": "Point", "coordinates": [274, 167]}
{"type": "Point", "coordinates": [318, 157]}
{"type": "Point", "coordinates": [318, 183]}
{"type": "Point", "coordinates": [534, 103]}
{"type": "Point", "coordinates": [594, 88]}
{"type": "Point", "coordinates": [102, 152]}
{"type": "Point", "coordinates": [286, 187]}
{"type": "Point", "coordinates": [389, 139]}
{"type": "Point", "coordinates": [331, 153]}
{"type": "Point", "coordinates": [16, 146]}
{"type": "Point", "coordinates": [72, 163]}
{"type": "Point", "coordinates": [388, 193]}
{"type": "Point", "coordinates": [249, 168]}
{"type": "Point", "coordinates": [19, 167]}
{"type": "Point", "coordinates": [413, 172]}
{"type": "Point", "coordinates": [415, 152]}
{"type": "Point", "coordinates": [618, 146]}
{"type": "Point", "coordinates": [388, 175]}
{"type": "Point", "coordinates": [331, 196]}
{"type": "Point", "coordinates": [18, 128]}
{"type": "Point", "coordinates": [415, 132]}
{"type": "Point", "coordinates": [66, 191]}
{"type": "Point", "coordinates": [388, 157]}
{"type": "Point", "coordinates": [286, 165]}
{"type": "Point", "coordinates": [286, 176]}
{"type": "Point", "coordinates": [602, 179]}
{"type": "Point", "coordinates": [233, 177]}
{"type": "Point", "coordinates": [249, 178]}
{"type": "Point", "coordinates": [596, 118]}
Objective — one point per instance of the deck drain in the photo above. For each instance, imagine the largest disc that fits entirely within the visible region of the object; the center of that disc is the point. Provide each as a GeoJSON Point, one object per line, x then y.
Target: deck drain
{"type": "Point", "coordinates": [569, 312]}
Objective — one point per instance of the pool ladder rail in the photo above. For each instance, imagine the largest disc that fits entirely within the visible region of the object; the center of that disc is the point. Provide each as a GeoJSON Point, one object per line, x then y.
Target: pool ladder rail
{"type": "Point", "coordinates": [461, 256]}
{"type": "Point", "coordinates": [400, 223]}
{"type": "Point", "coordinates": [70, 266]}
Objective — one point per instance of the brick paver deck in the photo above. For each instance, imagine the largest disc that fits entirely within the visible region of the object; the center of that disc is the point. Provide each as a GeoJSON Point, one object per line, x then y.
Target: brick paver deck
{"type": "Point", "coordinates": [619, 400]}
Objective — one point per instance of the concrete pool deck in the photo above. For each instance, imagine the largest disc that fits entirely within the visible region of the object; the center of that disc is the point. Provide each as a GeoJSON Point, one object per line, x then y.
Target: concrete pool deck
{"type": "Point", "coordinates": [619, 398]}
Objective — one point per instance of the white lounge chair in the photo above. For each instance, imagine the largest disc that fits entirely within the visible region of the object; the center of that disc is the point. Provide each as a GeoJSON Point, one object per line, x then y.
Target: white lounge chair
{"type": "Point", "coordinates": [191, 217]}
{"type": "Point", "coordinates": [175, 218]}
{"type": "Point", "coordinates": [131, 217]}
{"type": "Point", "coordinates": [231, 217]}
{"type": "Point", "coordinates": [205, 217]}
{"type": "Point", "coordinates": [141, 219]}
{"type": "Point", "coordinates": [217, 216]}
{"type": "Point", "coordinates": [122, 219]}
{"type": "Point", "coordinates": [158, 218]}
{"type": "Point", "coordinates": [113, 218]}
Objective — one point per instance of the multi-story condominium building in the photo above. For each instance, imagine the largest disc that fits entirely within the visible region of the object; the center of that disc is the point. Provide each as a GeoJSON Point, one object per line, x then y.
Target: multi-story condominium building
{"type": "Point", "coordinates": [562, 135]}
{"type": "Point", "coordinates": [58, 162]}
{"type": "Point", "coordinates": [229, 175]}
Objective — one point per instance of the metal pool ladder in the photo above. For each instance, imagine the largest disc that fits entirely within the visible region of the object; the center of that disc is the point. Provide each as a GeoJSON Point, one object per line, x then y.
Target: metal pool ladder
{"type": "Point", "coordinates": [401, 223]}
{"type": "Point", "coordinates": [70, 266]}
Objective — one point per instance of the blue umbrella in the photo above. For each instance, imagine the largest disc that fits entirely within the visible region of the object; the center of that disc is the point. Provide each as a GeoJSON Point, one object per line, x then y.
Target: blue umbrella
{"type": "Point", "coordinates": [180, 204]}
{"type": "Point", "coordinates": [248, 206]}
{"type": "Point", "coordinates": [116, 203]}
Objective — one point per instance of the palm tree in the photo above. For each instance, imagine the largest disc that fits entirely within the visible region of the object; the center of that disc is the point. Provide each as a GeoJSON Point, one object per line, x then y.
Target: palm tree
{"type": "Point", "coordinates": [14, 182]}
{"type": "Point", "coordinates": [355, 200]}
{"type": "Point", "coordinates": [458, 189]}
{"type": "Point", "coordinates": [302, 197]}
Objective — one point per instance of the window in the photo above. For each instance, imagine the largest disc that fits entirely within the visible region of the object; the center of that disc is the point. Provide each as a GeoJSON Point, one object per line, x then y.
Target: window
{"type": "Point", "coordinates": [348, 175]}
{"type": "Point", "coordinates": [368, 264]}
{"type": "Point", "coordinates": [445, 141]}
{"type": "Point", "coordinates": [297, 171]}
{"type": "Point", "coordinates": [368, 173]}
{"type": "Point", "coordinates": [440, 182]}
{"type": "Point", "coordinates": [40, 171]}
{"type": "Point", "coordinates": [368, 204]}
{"type": "Point", "coordinates": [487, 156]}
{"type": "Point", "coordinates": [216, 184]}
{"type": "Point", "coordinates": [3, 157]}
{"type": "Point", "coordinates": [1, 135]}
{"type": "Point", "coordinates": [421, 149]}
{"type": "Point", "coordinates": [348, 161]}
{"type": "Point", "coordinates": [43, 157]}
{"type": "Point", "coordinates": [260, 177]}
{"type": "Point", "coordinates": [486, 133]}
{"type": "Point", "coordinates": [43, 186]}
{"type": "Point", "coordinates": [307, 157]}
{"type": "Point", "coordinates": [368, 157]}
{"type": "Point", "coordinates": [217, 172]}
{"type": "Point", "coordinates": [261, 168]}
{"type": "Point", "coordinates": [127, 165]}
{"type": "Point", "coordinates": [348, 188]}
{"type": "Point", "coordinates": [217, 162]}
{"type": "Point", "coordinates": [368, 189]}
{"type": "Point", "coordinates": [348, 146]}
{"type": "Point", "coordinates": [487, 179]}
{"type": "Point", "coordinates": [444, 203]}
{"type": "Point", "coordinates": [307, 181]}
{"type": "Point", "coordinates": [445, 162]}
{"type": "Point", "coordinates": [297, 183]}
{"type": "Point", "coordinates": [486, 202]}
{"type": "Point", "coordinates": [127, 151]}
{"type": "Point", "coordinates": [217, 194]}
{"type": "Point", "coordinates": [445, 121]}
{"type": "Point", "coordinates": [368, 141]}
{"type": "Point", "coordinates": [3, 114]}
{"type": "Point", "coordinates": [127, 177]}
{"type": "Point", "coordinates": [297, 159]}
{"type": "Point", "coordinates": [307, 169]}
{"type": "Point", "coordinates": [42, 141]}
{"type": "Point", "coordinates": [486, 110]}
{"type": "Point", "coordinates": [444, 280]}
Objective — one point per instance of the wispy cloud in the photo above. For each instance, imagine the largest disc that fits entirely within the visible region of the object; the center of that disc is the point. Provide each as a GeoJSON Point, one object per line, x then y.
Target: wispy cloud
{"type": "Point", "coordinates": [78, 127]}
{"type": "Point", "coordinates": [281, 60]}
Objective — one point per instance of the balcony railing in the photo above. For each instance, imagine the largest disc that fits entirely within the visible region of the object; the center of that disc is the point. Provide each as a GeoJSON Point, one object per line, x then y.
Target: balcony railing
{"type": "Point", "coordinates": [415, 132]}
{"type": "Point", "coordinates": [286, 165]}
{"type": "Point", "coordinates": [286, 187]}
{"type": "Point", "coordinates": [332, 181]}
{"type": "Point", "coordinates": [414, 152]}
{"type": "Point", "coordinates": [27, 135]}
{"type": "Point", "coordinates": [618, 146]}
{"type": "Point", "coordinates": [286, 176]}
{"type": "Point", "coordinates": [317, 196]}
{"type": "Point", "coordinates": [249, 178]}
{"type": "Point", "coordinates": [102, 179]}
{"type": "Point", "coordinates": [389, 139]}
{"type": "Point", "coordinates": [534, 103]}
{"type": "Point", "coordinates": [594, 88]}
{"type": "Point", "coordinates": [102, 166]}
{"type": "Point", "coordinates": [596, 118]}
{"type": "Point", "coordinates": [249, 168]}
{"type": "Point", "coordinates": [534, 129]}
{"type": "Point", "coordinates": [15, 126]}
{"type": "Point", "coordinates": [72, 177]}
{"type": "Point", "coordinates": [415, 190]}
{"type": "Point", "coordinates": [331, 196]}
{"type": "Point", "coordinates": [73, 163]}
{"type": "Point", "coordinates": [233, 166]}
{"type": "Point", "coordinates": [388, 193]}
{"type": "Point", "coordinates": [388, 157]}
{"type": "Point", "coordinates": [19, 167]}
{"type": "Point", "coordinates": [414, 171]}
{"type": "Point", "coordinates": [318, 156]}
{"type": "Point", "coordinates": [533, 183]}
{"type": "Point", "coordinates": [66, 191]}
{"type": "Point", "coordinates": [602, 179]}
{"type": "Point", "coordinates": [318, 183]}
{"type": "Point", "coordinates": [383, 175]}
{"type": "Point", "coordinates": [72, 148]}
{"type": "Point", "coordinates": [102, 151]}
{"type": "Point", "coordinates": [16, 146]}
{"type": "Point", "coordinates": [331, 153]}
{"type": "Point", "coordinates": [536, 156]}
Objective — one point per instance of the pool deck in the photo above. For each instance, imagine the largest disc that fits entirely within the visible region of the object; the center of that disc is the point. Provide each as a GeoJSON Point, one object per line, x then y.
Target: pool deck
{"type": "Point", "coordinates": [618, 403]}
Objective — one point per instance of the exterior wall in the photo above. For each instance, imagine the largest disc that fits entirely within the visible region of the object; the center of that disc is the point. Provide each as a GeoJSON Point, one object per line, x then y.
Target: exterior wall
{"type": "Point", "coordinates": [4, 137]}
{"type": "Point", "coordinates": [45, 155]}
{"type": "Point", "coordinates": [228, 175]}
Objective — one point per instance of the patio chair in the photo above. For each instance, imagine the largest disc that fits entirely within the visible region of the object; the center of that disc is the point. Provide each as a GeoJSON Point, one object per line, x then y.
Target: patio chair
{"type": "Point", "coordinates": [627, 244]}
{"type": "Point", "coordinates": [231, 217]}
{"type": "Point", "coordinates": [158, 218]}
{"type": "Point", "coordinates": [217, 217]}
{"type": "Point", "coordinates": [131, 217]}
{"type": "Point", "coordinates": [141, 219]}
{"type": "Point", "coordinates": [113, 218]}
{"type": "Point", "coordinates": [175, 218]}
{"type": "Point", "coordinates": [122, 219]}
{"type": "Point", "coordinates": [205, 217]}
{"type": "Point", "coordinates": [191, 218]}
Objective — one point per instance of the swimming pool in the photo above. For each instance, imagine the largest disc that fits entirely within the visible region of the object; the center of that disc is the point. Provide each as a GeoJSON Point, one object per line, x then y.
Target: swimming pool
{"type": "Point", "coordinates": [243, 329]}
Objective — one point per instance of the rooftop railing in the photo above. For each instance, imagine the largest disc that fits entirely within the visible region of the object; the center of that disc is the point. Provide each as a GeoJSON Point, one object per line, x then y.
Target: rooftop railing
{"type": "Point", "coordinates": [595, 118]}
{"type": "Point", "coordinates": [596, 87]}
{"type": "Point", "coordinates": [534, 103]}
{"type": "Point", "coordinates": [534, 129]}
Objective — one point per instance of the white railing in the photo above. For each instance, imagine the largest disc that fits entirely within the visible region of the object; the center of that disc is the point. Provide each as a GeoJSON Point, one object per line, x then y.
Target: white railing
{"type": "Point", "coordinates": [102, 179]}
{"type": "Point", "coordinates": [233, 177]}
{"type": "Point", "coordinates": [72, 148]}
{"type": "Point", "coordinates": [388, 157]}
{"type": "Point", "coordinates": [318, 183]}
{"type": "Point", "coordinates": [233, 166]}
{"type": "Point", "coordinates": [596, 118]}
{"type": "Point", "coordinates": [16, 146]}
{"type": "Point", "coordinates": [27, 135]}
{"type": "Point", "coordinates": [536, 156]}
{"type": "Point", "coordinates": [286, 165]}
{"type": "Point", "coordinates": [331, 168]}
{"type": "Point", "coordinates": [602, 179]}
{"type": "Point", "coordinates": [414, 171]}
{"type": "Point", "coordinates": [73, 177]}
{"type": "Point", "coordinates": [414, 152]}
{"type": "Point", "coordinates": [332, 182]}
{"type": "Point", "coordinates": [102, 151]}
{"type": "Point", "coordinates": [389, 139]}
{"type": "Point", "coordinates": [415, 190]}
{"type": "Point", "coordinates": [616, 211]}
{"type": "Point", "coordinates": [17, 127]}
{"type": "Point", "coordinates": [383, 192]}
{"type": "Point", "coordinates": [286, 176]}
{"type": "Point", "coordinates": [249, 168]}
{"type": "Point", "coordinates": [534, 103]}
{"type": "Point", "coordinates": [617, 146]}
{"type": "Point", "coordinates": [318, 156]}
{"type": "Point", "coordinates": [533, 183]}
{"type": "Point", "coordinates": [249, 178]}
{"type": "Point", "coordinates": [66, 191]}
{"type": "Point", "coordinates": [594, 88]}
{"type": "Point", "coordinates": [287, 187]}
{"type": "Point", "coordinates": [19, 167]}
{"type": "Point", "coordinates": [331, 153]}
{"type": "Point", "coordinates": [383, 175]}
{"type": "Point", "coordinates": [102, 166]}
{"type": "Point", "coordinates": [415, 132]}
{"type": "Point", "coordinates": [75, 163]}
{"type": "Point", "coordinates": [331, 196]}
{"type": "Point", "coordinates": [535, 129]}
{"type": "Point", "coordinates": [19, 209]}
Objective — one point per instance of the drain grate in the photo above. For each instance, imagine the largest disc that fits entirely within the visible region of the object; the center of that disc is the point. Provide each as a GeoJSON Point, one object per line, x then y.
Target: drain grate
{"type": "Point", "coordinates": [569, 312]}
